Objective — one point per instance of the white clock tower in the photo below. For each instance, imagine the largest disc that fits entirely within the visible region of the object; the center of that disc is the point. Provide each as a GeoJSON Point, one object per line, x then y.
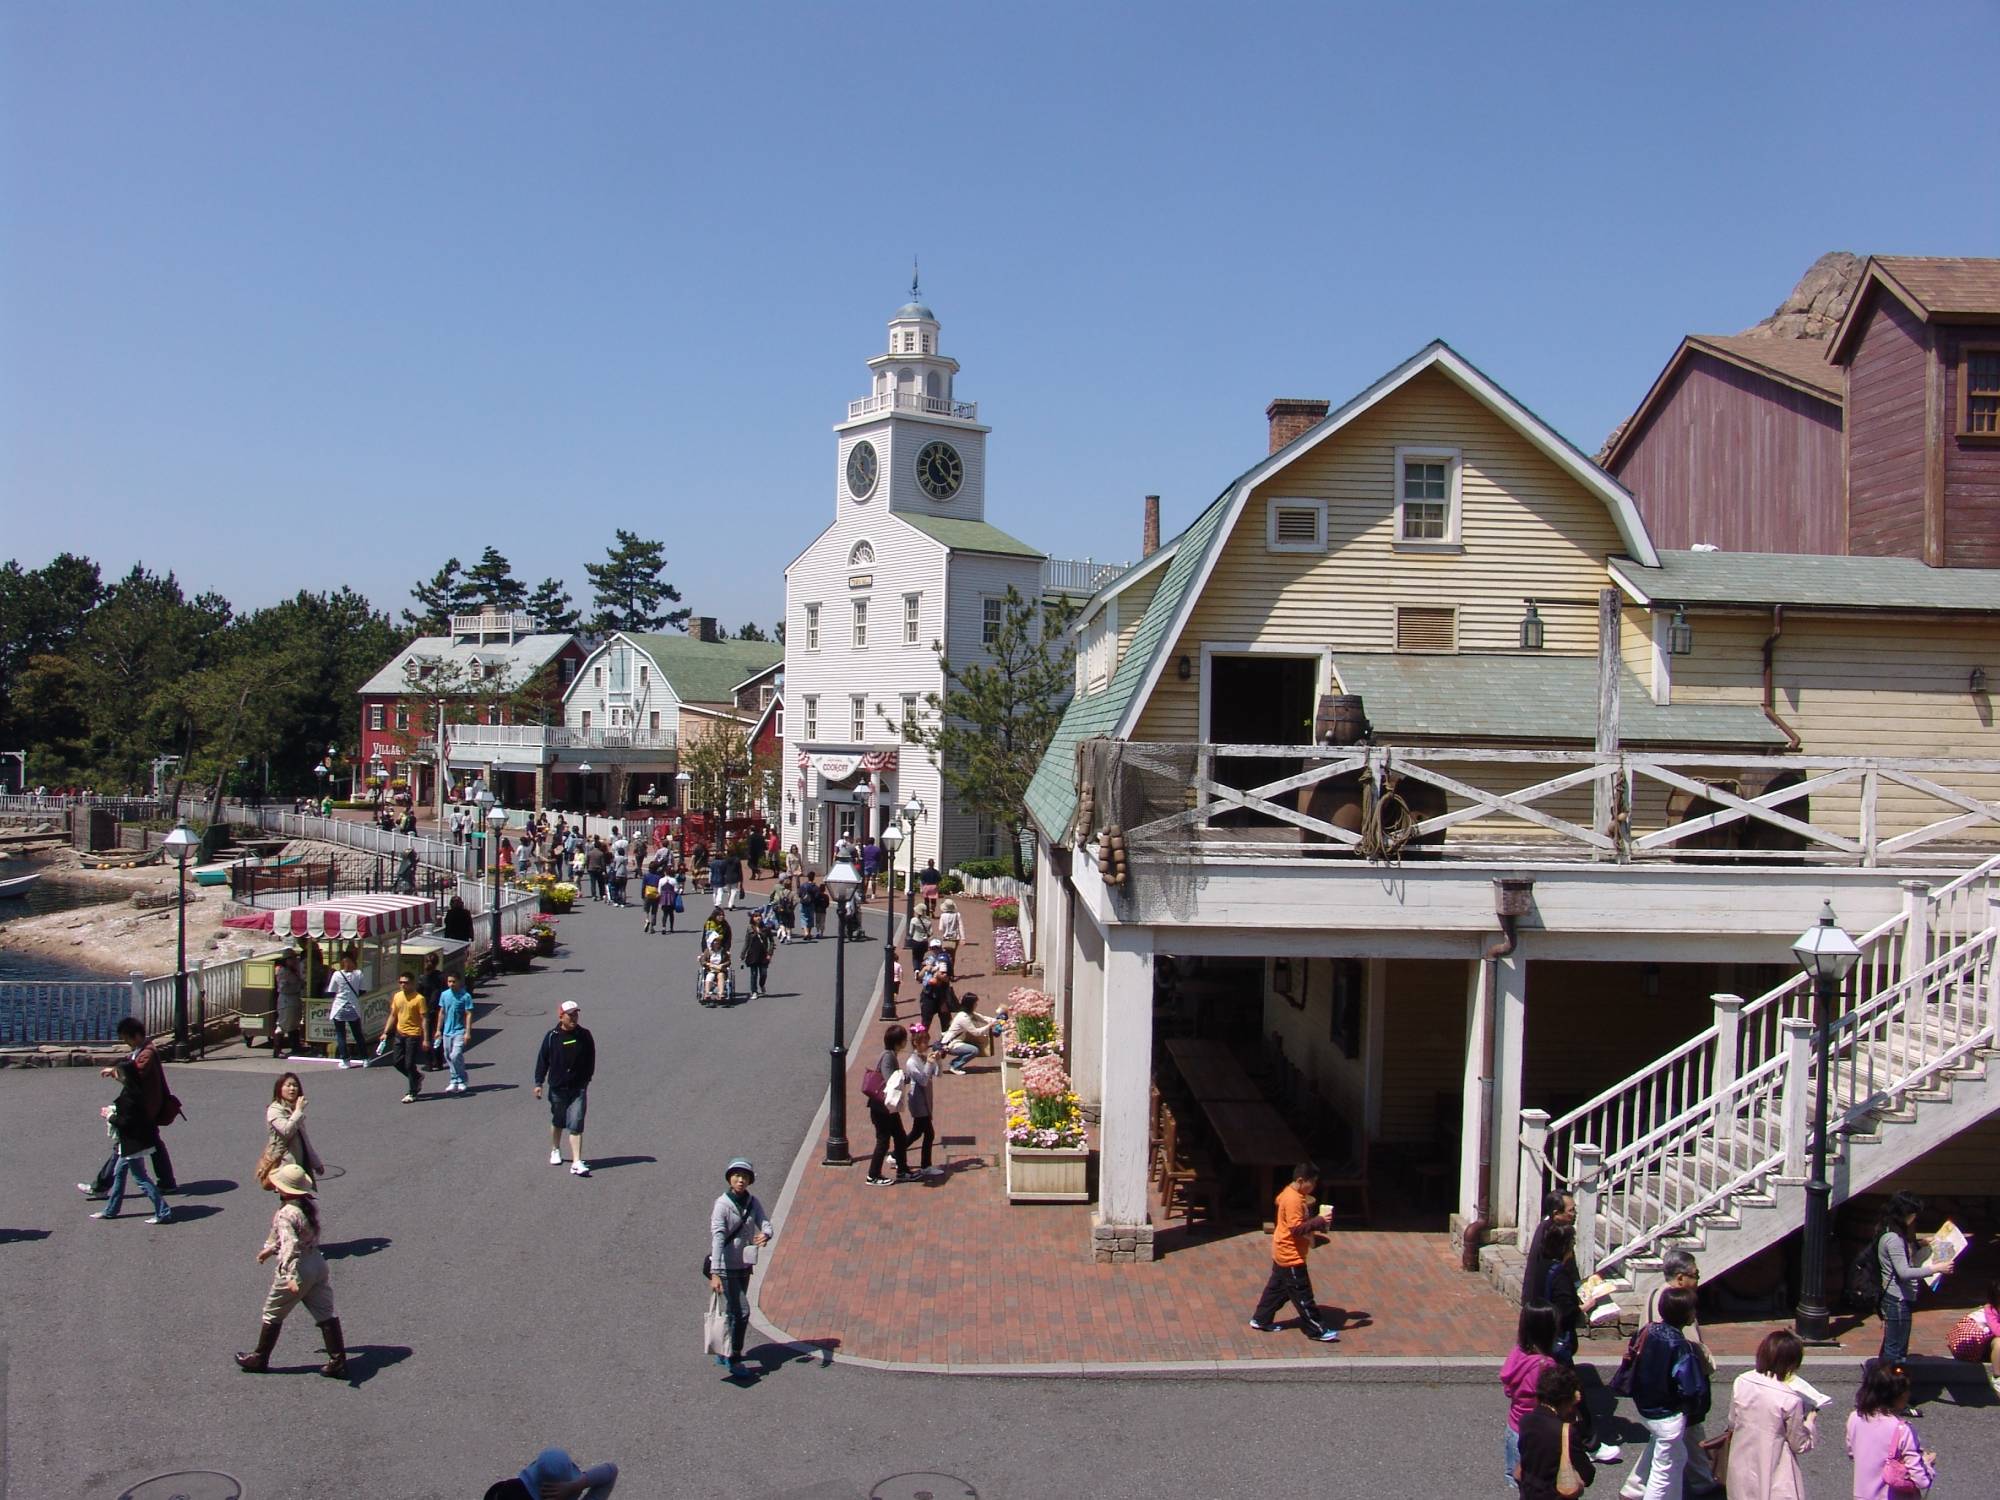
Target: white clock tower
{"type": "Point", "coordinates": [908, 566]}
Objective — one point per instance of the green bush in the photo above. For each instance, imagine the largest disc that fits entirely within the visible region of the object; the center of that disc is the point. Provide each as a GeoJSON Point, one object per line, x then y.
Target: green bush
{"type": "Point", "coordinates": [950, 885]}
{"type": "Point", "coordinates": [985, 869]}
{"type": "Point", "coordinates": [1006, 913]}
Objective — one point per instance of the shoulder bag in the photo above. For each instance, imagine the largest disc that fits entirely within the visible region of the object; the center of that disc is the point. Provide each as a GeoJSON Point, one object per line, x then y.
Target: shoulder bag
{"type": "Point", "coordinates": [872, 1085]}
{"type": "Point", "coordinates": [1620, 1383]}
{"type": "Point", "coordinates": [1717, 1449]}
{"type": "Point", "coordinates": [707, 1261]}
{"type": "Point", "coordinates": [893, 1090]}
{"type": "Point", "coordinates": [1569, 1483]}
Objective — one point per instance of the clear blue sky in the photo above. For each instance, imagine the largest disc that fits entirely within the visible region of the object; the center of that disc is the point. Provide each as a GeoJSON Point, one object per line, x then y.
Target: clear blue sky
{"type": "Point", "coordinates": [310, 295]}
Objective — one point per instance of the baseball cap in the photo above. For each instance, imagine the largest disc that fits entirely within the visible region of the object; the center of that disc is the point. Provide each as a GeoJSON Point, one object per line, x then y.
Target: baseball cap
{"type": "Point", "coordinates": [569, 1005]}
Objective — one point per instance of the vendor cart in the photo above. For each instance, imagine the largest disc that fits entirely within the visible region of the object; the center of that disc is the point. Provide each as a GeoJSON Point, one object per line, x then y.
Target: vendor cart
{"type": "Point", "coordinates": [373, 928]}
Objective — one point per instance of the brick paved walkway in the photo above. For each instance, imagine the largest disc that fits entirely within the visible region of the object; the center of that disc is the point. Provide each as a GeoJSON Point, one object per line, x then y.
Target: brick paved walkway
{"type": "Point", "coordinates": [948, 1272]}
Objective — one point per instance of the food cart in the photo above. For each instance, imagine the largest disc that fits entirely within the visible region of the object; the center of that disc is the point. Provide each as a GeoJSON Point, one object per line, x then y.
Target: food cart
{"type": "Point", "coordinates": [372, 928]}
{"type": "Point", "coordinates": [452, 953]}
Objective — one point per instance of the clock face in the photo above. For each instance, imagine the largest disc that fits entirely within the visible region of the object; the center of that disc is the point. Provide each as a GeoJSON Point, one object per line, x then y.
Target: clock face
{"type": "Point", "coordinates": [940, 470]}
{"type": "Point", "coordinates": [862, 466]}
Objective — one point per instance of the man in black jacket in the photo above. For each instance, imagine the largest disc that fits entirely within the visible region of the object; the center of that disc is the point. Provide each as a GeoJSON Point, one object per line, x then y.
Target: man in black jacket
{"type": "Point", "coordinates": [151, 1075]}
{"type": "Point", "coordinates": [1558, 1207]}
{"type": "Point", "coordinates": [566, 1063]}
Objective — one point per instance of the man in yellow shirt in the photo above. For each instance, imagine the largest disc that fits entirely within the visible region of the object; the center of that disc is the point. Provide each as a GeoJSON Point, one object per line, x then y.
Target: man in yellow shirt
{"type": "Point", "coordinates": [406, 1024]}
{"type": "Point", "coordinates": [1290, 1243]}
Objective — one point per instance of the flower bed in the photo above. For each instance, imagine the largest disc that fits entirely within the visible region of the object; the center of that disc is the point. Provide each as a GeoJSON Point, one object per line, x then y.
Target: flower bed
{"type": "Point", "coordinates": [517, 951]}
{"type": "Point", "coordinates": [1048, 1159]}
{"type": "Point", "coordinates": [1032, 1032]}
{"type": "Point", "coordinates": [553, 896]}
{"type": "Point", "coordinates": [544, 934]}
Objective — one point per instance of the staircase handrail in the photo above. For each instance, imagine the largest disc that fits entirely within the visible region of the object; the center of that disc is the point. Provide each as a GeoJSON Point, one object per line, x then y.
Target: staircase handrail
{"type": "Point", "coordinates": [1844, 1039]}
{"type": "Point", "coordinates": [1976, 873]}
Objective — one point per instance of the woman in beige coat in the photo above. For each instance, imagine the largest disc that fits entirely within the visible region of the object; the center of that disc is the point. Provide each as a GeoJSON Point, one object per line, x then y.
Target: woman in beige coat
{"type": "Point", "coordinates": [285, 1119]}
{"type": "Point", "coordinates": [1770, 1424]}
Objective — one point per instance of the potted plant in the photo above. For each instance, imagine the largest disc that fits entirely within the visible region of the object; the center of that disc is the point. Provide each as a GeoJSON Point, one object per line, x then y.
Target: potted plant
{"type": "Point", "coordinates": [544, 934]}
{"type": "Point", "coordinates": [1048, 1160]}
{"type": "Point", "coordinates": [517, 951]}
{"type": "Point", "coordinates": [1032, 1032]}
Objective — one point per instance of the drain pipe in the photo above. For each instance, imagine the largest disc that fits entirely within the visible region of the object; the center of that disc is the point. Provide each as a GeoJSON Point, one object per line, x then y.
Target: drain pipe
{"type": "Point", "coordinates": [1770, 691]}
{"type": "Point", "coordinates": [1513, 897]}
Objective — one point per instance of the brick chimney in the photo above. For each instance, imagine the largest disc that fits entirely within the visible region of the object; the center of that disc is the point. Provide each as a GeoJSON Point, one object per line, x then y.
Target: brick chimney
{"type": "Point", "coordinates": [1292, 415]}
{"type": "Point", "coordinates": [1149, 535]}
{"type": "Point", "coordinates": [704, 628]}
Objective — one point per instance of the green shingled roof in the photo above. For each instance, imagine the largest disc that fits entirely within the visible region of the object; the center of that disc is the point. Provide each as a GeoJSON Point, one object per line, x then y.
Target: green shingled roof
{"type": "Point", "coordinates": [707, 671]}
{"type": "Point", "coordinates": [968, 536]}
{"type": "Point", "coordinates": [1528, 697]}
{"type": "Point", "coordinates": [1900, 583]}
{"type": "Point", "coordinates": [1052, 794]}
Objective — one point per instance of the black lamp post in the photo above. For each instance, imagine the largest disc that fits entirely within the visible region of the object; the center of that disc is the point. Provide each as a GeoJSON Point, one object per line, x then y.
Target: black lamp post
{"type": "Point", "coordinates": [912, 810]}
{"type": "Point", "coordinates": [891, 839]}
{"type": "Point", "coordinates": [841, 882]}
{"type": "Point", "coordinates": [180, 846]}
{"type": "Point", "coordinates": [496, 819]}
{"type": "Point", "coordinates": [1826, 953]}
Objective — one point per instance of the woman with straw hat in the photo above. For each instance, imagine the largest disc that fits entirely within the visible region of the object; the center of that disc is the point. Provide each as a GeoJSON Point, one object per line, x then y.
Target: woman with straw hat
{"type": "Point", "coordinates": [302, 1275]}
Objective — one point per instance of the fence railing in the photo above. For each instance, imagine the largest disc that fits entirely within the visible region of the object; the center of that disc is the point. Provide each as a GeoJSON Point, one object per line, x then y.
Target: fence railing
{"type": "Point", "coordinates": [440, 854]}
{"type": "Point", "coordinates": [1670, 1142]}
{"type": "Point", "coordinates": [125, 809]}
{"type": "Point", "coordinates": [1081, 577]}
{"type": "Point", "coordinates": [1623, 805]}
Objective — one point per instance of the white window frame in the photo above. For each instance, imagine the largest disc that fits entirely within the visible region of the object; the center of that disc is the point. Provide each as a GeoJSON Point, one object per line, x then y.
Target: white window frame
{"type": "Point", "coordinates": [861, 554]}
{"type": "Point", "coordinates": [1454, 473]}
{"type": "Point", "coordinates": [812, 717]}
{"type": "Point", "coordinates": [812, 627]}
{"type": "Point", "coordinates": [910, 701]}
{"type": "Point", "coordinates": [402, 717]}
{"type": "Point", "coordinates": [1279, 503]}
{"type": "Point", "coordinates": [992, 619]}
{"type": "Point", "coordinates": [778, 721]}
{"type": "Point", "coordinates": [913, 618]}
{"type": "Point", "coordinates": [857, 716]}
{"type": "Point", "coordinates": [860, 624]}
{"type": "Point", "coordinates": [1323, 675]}
{"type": "Point", "coordinates": [586, 721]}
{"type": "Point", "coordinates": [377, 718]}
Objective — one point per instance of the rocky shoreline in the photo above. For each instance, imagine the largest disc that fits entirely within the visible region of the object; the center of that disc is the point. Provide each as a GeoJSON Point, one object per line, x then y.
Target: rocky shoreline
{"type": "Point", "coordinates": [117, 938]}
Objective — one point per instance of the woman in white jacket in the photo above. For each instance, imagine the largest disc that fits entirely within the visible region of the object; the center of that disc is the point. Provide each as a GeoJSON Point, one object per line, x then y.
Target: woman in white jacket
{"type": "Point", "coordinates": [961, 1039]}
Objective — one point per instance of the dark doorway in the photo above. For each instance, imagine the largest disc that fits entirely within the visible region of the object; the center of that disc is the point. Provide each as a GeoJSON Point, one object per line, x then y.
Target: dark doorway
{"type": "Point", "coordinates": [1259, 700]}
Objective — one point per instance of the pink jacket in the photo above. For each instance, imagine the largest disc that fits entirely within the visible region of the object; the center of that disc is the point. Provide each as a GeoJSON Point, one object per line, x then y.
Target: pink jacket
{"type": "Point", "coordinates": [1517, 1379]}
{"type": "Point", "coordinates": [1771, 1429]}
{"type": "Point", "coordinates": [1870, 1441]}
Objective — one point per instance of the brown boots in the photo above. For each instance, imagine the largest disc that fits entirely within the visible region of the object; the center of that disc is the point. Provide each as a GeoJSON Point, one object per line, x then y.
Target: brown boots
{"type": "Point", "coordinates": [267, 1340]}
{"type": "Point", "coordinates": [336, 1348]}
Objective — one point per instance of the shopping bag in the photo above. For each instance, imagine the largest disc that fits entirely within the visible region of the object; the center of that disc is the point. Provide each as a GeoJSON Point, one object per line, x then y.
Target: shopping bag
{"type": "Point", "coordinates": [715, 1326]}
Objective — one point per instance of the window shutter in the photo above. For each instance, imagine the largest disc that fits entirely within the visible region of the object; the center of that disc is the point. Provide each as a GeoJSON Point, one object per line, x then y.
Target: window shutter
{"type": "Point", "coordinates": [1426, 629]}
{"type": "Point", "coordinates": [1298, 526]}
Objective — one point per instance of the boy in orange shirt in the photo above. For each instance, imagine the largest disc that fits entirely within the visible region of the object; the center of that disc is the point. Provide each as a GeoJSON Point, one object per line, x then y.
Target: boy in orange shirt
{"type": "Point", "coordinates": [1290, 1242]}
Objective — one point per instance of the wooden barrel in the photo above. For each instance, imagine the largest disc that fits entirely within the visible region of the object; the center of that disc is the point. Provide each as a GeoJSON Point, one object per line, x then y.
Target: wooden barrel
{"type": "Point", "coordinates": [1339, 720]}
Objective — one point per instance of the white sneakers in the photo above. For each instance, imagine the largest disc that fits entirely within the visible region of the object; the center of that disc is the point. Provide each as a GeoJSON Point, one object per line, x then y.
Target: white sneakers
{"type": "Point", "coordinates": [1606, 1453]}
{"type": "Point", "coordinates": [579, 1168]}
{"type": "Point", "coordinates": [555, 1158]}
{"type": "Point", "coordinates": [341, 1062]}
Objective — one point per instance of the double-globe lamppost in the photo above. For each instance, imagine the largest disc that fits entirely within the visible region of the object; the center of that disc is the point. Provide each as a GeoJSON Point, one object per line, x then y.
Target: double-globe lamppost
{"type": "Point", "coordinates": [180, 846]}
{"type": "Point", "coordinates": [842, 881]}
{"type": "Point", "coordinates": [1826, 953]}
{"type": "Point", "coordinates": [911, 812]}
{"type": "Point", "coordinates": [583, 801]}
{"type": "Point", "coordinates": [891, 839]}
{"type": "Point", "coordinates": [496, 819]}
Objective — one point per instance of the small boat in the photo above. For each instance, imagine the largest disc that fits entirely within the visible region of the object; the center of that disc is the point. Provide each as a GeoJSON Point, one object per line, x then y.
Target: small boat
{"type": "Point", "coordinates": [18, 885]}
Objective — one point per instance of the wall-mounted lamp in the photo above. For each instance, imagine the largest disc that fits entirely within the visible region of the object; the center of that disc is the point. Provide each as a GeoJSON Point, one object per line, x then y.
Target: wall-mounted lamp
{"type": "Point", "coordinates": [1184, 668]}
{"type": "Point", "coordinates": [1680, 634]}
{"type": "Point", "coordinates": [1531, 629]}
{"type": "Point", "coordinates": [1977, 682]}
{"type": "Point", "coordinates": [1649, 980]}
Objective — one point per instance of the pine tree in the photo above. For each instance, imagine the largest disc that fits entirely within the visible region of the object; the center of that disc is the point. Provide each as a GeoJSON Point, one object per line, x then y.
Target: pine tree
{"type": "Point", "coordinates": [445, 594]}
{"type": "Point", "coordinates": [988, 731]}
{"type": "Point", "coordinates": [552, 608]}
{"type": "Point", "coordinates": [492, 585]}
{"type": "Point", "coordinates": [627, 588]}
{"type": "Point", "coordinates": [751, 632]}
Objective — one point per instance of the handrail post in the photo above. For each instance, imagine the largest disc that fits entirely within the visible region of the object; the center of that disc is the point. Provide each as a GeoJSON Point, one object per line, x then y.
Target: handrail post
{"type": "Point", "coordinates": [1728, 1048]}
{"type": "Point", "coordinates": [1993, 963]}
{"type": "Point", "coordinates": [138, 983]}
{"type": "Point", "coordinates": [1798, 1092]}
{"type": "Point", "coordinates": [1533, 1176]}
{"type": "Point", "coordinates": [1916, 926]}
{"type": "Point", "coordinates": [1586, 1167]}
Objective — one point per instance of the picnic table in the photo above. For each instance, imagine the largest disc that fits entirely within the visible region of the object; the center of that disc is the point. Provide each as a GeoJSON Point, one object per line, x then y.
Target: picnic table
{"type": "Point", "coordinates": [1252, 1135]}
{"type": "Point", "coordinates": [1211, 1071]}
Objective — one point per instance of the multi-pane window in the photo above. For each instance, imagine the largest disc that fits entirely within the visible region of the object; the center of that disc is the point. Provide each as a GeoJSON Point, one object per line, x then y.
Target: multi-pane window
{"type": "Point", "coordinates": [1426, 501]}
{"type": "Point", "coordinates": [376, 713]}
{"type": "Point", "coordinates": [909, 713]}
{"type": "Point", "coordinates": [911, 604]}
{"type": "Point", "coordinates": [653, 718]}
{"type": "Point", "coordinates": [1982, 393]}
{"type": "Point", "coordinates": [812, 627]}
{"type": "Point", "coordinates": [860, 624]}
{"type": "Point", "coordinates": [586, 721]}
{"type": "Point", "coordinates": [644, 674]}
{"type": "Point", "coordinates": [778, 722]}
{"type": "Point", "coordinates": [402, 716]}
{"type": "Point", "coordinates": [857, 718]}
{"type": "Point", "coordinates": [812, 717]}
{"type": "Point", "coordinates": [992, 613]}
{"type": "Point", "coordinates": [862, 555]}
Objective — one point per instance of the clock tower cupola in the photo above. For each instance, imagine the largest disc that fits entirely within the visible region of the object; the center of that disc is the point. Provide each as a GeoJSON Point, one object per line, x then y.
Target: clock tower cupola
{"type": "Point", "coordinates": [910, 442]}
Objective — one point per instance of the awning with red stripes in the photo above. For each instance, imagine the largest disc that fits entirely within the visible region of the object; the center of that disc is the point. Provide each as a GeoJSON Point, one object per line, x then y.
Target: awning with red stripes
{"type": "Point", "coordinates": [345, 917]}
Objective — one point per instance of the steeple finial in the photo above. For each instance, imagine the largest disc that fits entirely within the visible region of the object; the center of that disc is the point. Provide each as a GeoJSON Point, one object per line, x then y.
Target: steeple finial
{"type": "Point", "coordinates": [913, 278]}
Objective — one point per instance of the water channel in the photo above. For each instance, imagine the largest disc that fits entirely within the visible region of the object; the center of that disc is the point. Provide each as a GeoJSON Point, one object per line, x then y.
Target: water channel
{"type": "Point", "coordinates": [46, 895]}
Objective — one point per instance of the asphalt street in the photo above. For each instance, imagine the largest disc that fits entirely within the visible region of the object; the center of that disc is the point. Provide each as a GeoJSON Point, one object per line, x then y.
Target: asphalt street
{"type": "Point", "coordinates": [495, 1305]}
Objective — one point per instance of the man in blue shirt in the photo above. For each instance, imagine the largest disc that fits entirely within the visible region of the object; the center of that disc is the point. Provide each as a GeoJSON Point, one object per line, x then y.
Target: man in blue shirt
{"type": "Point", "coordinates": [454, 1029]}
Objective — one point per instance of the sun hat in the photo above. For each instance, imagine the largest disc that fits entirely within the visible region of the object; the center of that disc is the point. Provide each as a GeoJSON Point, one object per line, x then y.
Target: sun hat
{"type": "Point", "coordinates": [569, 1005]}
{"type": "Point", "coordinates": [740, 1164]}
{"type": "Point", "coordinates": [293, 1180]}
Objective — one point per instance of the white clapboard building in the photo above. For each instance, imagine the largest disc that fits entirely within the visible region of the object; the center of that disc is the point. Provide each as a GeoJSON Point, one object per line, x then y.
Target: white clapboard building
{"type": "Point", "coordinates": [907, 562]}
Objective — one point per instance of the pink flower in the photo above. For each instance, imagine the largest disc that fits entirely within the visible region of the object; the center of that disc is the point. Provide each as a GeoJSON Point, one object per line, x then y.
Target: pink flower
{"type": "Point", "coordinates": [1044, 1078]}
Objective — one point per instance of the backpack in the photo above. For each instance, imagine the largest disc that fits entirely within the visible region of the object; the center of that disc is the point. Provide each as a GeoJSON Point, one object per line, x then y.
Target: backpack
{"type": "Point", "coordinates": [1864, 1276]}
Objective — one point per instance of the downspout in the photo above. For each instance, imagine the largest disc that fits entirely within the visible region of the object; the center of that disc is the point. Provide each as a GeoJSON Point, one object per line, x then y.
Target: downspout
{"type": "Point", "coordinates": [1770, 691]}
{"type": "Point", "coordinates": [1513, 896]}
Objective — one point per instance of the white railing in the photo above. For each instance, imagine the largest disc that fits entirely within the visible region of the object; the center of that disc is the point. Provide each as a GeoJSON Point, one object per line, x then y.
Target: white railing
{"type": "Point", "coordinates": [1622, 805]}
{"type": "Point", "coordinates": [930, 406]}
{"type": "Point", "coordinates": [490, 623]}
{"type": "Point", "coordinates": [437, 854]}
{"type": "Point", "coordinates": [127, 809]}
{"type": "Point", "coordinates": [553, 737]}
{"type": "Point", "coordinates": [1678, 1137]}
{"type": "Point", "coordinates": [1081, 577]}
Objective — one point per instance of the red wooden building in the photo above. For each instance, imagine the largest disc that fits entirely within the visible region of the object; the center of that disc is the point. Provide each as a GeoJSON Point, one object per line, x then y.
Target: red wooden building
{"type": "Point", "coordinates": [1881, 440]}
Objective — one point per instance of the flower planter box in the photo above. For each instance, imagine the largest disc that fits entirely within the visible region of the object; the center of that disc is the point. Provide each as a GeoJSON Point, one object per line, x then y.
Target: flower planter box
{"type": "Point", "coordinates": [1048, 1176]}
{"type": "Point", "coordinates": [1010, 1074]}
{"type": "Point", "coordinates": [550, 907]}
{"type": "Point", "coordinates": [545, 947]}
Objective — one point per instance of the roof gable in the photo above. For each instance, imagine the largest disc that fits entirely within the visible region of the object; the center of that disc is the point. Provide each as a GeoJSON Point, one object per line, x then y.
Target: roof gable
{"type": "Point", "coordinates": [518, 659]}
{"type": "Point", "coordinates": [1930, 286]}
{"type": "Point", "coordinates": [1798, 364]}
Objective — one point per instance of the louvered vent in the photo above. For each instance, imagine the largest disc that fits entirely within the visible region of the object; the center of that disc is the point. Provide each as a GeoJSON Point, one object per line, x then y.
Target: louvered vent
{"type": "Point", "coordinates": [1426, 629]}
{"type": "Point", "coordinates": [1297, 526]}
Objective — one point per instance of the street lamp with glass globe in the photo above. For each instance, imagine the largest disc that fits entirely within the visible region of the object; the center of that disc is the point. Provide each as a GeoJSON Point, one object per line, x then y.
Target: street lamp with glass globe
{"type": "Point", "coordinates": [496, 819]}
{"type": "Point", "coordinates": [583, 801]}
{"type": "Point", "coordinates": [683, 779]}
{"type": "Point", "coordinates": [912, 810]}
{"type": "Point", "coordinates": [1826, 953]}
{"type": "Point", "coordinates": [180, 846]}
{"type": "Point", "coordinates": [891, 839]}
{"type": "Point", "coordinates": [841, 882]}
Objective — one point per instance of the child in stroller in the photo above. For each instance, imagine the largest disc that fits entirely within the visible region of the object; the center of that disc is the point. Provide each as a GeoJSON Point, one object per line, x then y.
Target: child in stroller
{"type": "Point", "coordinates": [718, 980]}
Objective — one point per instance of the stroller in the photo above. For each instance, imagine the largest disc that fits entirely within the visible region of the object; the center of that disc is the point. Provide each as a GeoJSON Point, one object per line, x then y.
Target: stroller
{"type": "Point", "coordinates": [715, 977]}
